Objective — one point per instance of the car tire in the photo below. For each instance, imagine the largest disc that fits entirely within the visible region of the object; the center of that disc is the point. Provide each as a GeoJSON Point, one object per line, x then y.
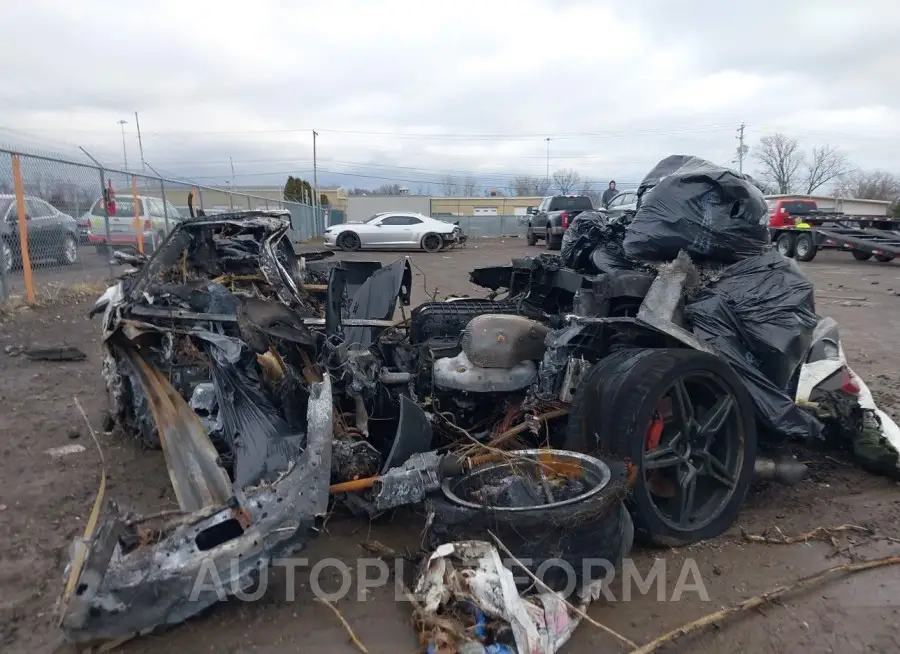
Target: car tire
{"type": "Point", "coordinates": [432, 242]}
{"type": "Point", "coordinates": [785, 244]}
{"type": "Point", "coordinates": [531, 237]}
{"type": "Point", "coordinates": [552, 243]}
{"type": "Point", "coordinates": [859, 255]}
{"type": "Point", "coordinates": [349, 242]}
{"type": "Point", "coordinates": [615, 410]}
{"type": "Point", "coordinates": [884, 258]}
{"type": "Point", "coordinates": [543, 537]}
{"type": "Point", "coordinates": [68, 254]}
{"type": "Point", "coordinates": [805, 247]}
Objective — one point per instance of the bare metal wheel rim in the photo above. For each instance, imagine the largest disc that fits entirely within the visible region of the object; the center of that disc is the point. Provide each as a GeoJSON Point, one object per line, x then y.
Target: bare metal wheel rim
{"type": "Point", "coordinates": [7, 255]}
{"type": "Point", "coordinates": [700, 455]}
{"type": "Point", "coordinates": [596, 473]}
{"type": "Point", "coordinates": [783, 247]}
{"type": "Point", "coordinates": [802, 246]}
{"type": "Point", "coordinates": [70, 250]}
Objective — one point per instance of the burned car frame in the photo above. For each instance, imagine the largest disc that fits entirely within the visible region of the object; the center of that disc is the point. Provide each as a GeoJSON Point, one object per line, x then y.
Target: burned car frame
{"type": "Point", "coordinates": [220, 349]}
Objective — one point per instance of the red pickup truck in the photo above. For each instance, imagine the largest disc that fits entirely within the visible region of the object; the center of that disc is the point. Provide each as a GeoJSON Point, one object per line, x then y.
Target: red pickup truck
{"type": "Point", "coordinates": [785, 212]}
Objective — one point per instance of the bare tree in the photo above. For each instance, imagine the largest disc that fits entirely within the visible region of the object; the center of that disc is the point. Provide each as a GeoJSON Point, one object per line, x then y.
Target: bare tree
{"type": "Point", "coordinates": [526, 186]}
{"type": "Point", "coordinates": [449, 185]}
{"type": "Point", "coordinates": [826, 164]}
{"type": "Point", "coordinates": [566, 180]}
{"type": "Point", "coordinates": [781, 160]}
{"type": "Point", "coordinates": [875, 185]}
{"type": "Point", "coordinates": [388, 189]}
{"type": "Point", "coordinates": [469, 184]}
{"type": "Point", "coordinates": [588, 190]}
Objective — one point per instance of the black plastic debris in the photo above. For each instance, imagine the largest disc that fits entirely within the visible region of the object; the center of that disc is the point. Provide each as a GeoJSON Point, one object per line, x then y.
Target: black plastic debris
{"type": "Point", "coordinates": [55, 353]}
{"type": "Point", "coordinates": [712, 213]}
{"type": "Point", "coordinates": [760, 315]}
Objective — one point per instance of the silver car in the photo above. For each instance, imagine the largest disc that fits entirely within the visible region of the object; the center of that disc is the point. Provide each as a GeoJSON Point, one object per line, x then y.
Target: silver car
{"type": "Point", "coordinates": [156, 217]}
{"type": "Point", "coordinates": [619, 204]}
{"type": "Point", "coordinates": [391, 230]}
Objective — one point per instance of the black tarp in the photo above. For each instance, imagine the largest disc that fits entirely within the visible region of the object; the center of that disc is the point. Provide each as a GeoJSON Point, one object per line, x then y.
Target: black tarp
{"type": "Point", "coordinates": [711, 212]}
{"type": "Point", "coordinates": [760, 315]}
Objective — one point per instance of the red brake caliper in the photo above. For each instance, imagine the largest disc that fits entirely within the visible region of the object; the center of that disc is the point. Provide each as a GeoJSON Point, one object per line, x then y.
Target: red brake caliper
{"type": "Point", "coordinates": [654, 432]}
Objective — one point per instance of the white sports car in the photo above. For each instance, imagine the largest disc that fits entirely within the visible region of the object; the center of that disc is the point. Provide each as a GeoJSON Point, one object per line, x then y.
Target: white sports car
{"type": "Point", "coordinates": [392, 230]}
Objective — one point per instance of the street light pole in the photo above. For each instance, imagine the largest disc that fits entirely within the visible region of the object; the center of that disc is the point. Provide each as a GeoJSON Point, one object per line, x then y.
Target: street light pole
{"type": "Point", "coordinates": [315, 173]}
{"type": "Point", "coordinates": [122, 124]}
{"type": "Point", "coordinates": [548, 158]}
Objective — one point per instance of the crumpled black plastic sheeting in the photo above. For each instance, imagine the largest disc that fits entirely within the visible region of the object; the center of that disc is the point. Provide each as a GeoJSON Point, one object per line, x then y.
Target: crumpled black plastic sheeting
{"type": "Point", "coordinates": [711, 212]}
{"type": "Point", "coordinates": [593, 244]}
{"type": "Point", "coordinates": [264, 444]}
{"type": "Point", "coordinates": [760, 315]}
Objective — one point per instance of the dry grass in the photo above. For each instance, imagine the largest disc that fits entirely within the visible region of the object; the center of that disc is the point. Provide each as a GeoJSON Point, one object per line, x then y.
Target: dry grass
{"type": "Point", "coordinates": [52, 294]}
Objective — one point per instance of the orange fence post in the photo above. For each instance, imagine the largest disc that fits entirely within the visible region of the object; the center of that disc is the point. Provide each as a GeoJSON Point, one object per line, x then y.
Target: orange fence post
{"type": "Point", "coordinates": [136, 222]}
{"type": "Point", "coordinates": [23, 228]}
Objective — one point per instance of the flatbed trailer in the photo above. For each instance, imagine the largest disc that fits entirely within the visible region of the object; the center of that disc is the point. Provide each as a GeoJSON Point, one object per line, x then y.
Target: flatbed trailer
{"type": "Point", "coordinates": [864, 237]}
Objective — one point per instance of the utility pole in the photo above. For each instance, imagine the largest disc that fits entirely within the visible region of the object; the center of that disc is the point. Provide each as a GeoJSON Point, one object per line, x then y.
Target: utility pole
{"type": "Point", "coordinates": [742, 149]}
{"type": "Point", "coordinates": [315, 202]}
{"type": "Point", "coordinates": [548, 158]}
{"type": "Point", "coordinates": [137, 123]}
{"type": "Point", "coordinates": [122, 124]}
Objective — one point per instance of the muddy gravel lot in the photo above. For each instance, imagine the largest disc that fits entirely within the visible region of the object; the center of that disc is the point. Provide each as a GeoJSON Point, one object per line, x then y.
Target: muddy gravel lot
{"type": "Point", "coordinates": [45, 501]}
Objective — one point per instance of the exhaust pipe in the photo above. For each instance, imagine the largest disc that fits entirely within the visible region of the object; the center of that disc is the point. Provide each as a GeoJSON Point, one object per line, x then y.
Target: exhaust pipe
{"type": "Point", "coordinates": [786, 471]}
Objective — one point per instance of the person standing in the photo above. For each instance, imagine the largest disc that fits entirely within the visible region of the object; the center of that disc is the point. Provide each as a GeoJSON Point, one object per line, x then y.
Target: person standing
{"type": "Point", "coordinates": [608, 194]}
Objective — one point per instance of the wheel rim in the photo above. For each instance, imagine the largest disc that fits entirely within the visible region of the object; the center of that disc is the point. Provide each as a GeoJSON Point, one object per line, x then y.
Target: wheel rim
{"type": "Point", "coordinates": [691, 468]}
{"type": "Point", "coordinates": [802, 247]}
{"type": "Point", "coordinates": [783, 247]}
{"type": "Point", "coordinates": [7, 256]}
{"type": "Point", "coordinates": [70, 250]}
{"type": "Point", "coordinates": [431, 243]}
{"type": "Point", "coordinates": [351, 241]}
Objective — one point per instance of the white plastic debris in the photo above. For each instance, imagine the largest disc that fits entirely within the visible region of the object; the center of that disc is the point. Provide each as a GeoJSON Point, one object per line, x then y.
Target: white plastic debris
{"type": "Point", "coordinates": [541, 623]}
{"type": "Point", "coordinates": [812, 374]}
{"type": "Point", "coordinates": [64, 450]}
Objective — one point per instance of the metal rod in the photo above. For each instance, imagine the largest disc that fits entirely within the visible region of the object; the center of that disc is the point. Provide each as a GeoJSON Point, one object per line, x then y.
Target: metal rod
{"type": "Point", "coordinates": [122, 124]}
{"type": "Point", "coordinates": [137, 124]}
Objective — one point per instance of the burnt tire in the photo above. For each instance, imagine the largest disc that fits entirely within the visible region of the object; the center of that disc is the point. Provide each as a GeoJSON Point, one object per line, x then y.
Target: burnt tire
{"type": "Point", "coordinates": [805, 247]}
{"type": "Point", "coordinates": [785, 244]}
{"type": "Point", "coordinates": [544, 538]}
{"type": "Point", "coordinates": [616, 404]}
{"type": "Point", "coordinates": [349, 242]}
{"type": "Point", "coordinates": [860, 255]}
{"type": "Point", "coordinates": [432, 242]}
{"type": "Point", "coordinates": [531, 237]}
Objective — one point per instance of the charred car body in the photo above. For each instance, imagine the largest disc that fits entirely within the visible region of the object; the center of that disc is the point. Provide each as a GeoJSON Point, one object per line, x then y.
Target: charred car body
{"type": "Point", "coordinates": [265, 376]}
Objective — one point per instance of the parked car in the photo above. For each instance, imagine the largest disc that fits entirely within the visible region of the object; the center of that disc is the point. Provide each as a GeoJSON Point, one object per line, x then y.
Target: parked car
{"type": "Point", "coordinates": [619, 204]}
{"type": "Point", "coordinates": [152, 212]}
{"type": "Point", "coordinates": [552, 217]}
{"type": "Point", "coordinates": [394, 230]}
{"type": "Point", "coordinates": [51, 233]}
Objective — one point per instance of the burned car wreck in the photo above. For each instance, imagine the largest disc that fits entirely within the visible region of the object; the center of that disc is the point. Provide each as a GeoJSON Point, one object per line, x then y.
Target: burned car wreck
{"type": "Point", "coordinates": [633, 386]}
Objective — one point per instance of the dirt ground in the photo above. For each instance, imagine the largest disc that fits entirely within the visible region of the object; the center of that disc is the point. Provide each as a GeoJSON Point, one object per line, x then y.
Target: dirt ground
{"type": "Point", "coordinates": [45, 501]}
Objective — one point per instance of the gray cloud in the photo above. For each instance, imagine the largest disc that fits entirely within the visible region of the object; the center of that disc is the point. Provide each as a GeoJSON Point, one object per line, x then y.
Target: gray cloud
{"type": "Point", "coordinates": [616, 86]}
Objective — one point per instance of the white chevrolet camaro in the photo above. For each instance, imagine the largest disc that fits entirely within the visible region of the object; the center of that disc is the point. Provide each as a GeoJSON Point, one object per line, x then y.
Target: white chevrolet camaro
{"type": "Point", "coordinates": [394, 230]}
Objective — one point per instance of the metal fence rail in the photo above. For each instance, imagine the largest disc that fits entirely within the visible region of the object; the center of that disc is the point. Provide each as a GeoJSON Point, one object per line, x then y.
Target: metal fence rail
{"type": "Point", "coordinates": [59, 218]}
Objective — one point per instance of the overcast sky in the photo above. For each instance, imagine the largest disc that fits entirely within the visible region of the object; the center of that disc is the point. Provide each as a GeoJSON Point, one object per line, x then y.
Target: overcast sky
{"type": "Point", "coordinates": [411, 91]}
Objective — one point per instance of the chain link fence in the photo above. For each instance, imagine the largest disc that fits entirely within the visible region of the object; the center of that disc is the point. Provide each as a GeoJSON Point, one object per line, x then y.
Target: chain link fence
{"type": "Point", "coordinates": [59, 220]}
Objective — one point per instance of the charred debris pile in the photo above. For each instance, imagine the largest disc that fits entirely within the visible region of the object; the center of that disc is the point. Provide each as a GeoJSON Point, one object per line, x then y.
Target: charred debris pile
{"type": "Point", "coordinates": [277, 384]}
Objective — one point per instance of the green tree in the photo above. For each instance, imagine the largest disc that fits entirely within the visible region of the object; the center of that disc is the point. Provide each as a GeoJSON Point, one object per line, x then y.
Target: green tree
{"type": "Point", "coordinates": [298, 190]}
